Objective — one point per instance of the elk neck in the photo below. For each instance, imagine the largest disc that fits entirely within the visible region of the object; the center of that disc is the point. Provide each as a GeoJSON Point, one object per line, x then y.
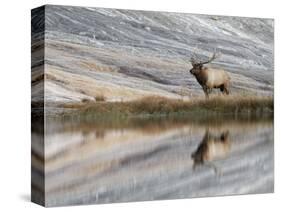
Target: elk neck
{"type": "Point", "coordinates": [201, 75]}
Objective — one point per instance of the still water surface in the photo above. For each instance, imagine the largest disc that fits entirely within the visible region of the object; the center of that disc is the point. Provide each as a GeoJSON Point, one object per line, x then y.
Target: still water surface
{"type": "Point", "coordinates": [143, 159]}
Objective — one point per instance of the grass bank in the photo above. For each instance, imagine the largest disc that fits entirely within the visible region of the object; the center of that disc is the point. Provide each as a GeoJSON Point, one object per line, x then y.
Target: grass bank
{"type": "Point", "coordinates": [159, 106]}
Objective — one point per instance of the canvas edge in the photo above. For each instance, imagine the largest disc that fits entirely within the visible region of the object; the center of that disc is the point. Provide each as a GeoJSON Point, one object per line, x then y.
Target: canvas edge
{"type": "Point", "coordinates": [37, 107]}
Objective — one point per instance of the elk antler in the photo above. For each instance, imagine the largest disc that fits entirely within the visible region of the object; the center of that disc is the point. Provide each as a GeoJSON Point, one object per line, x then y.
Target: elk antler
{"type": "Point", "coordinates": [195, 61]}
{"type": "Point", "coordinates": [194, 56]}
{"type": "Point", "coordinates": [214, 56]}
{"type": "Point", "coordinates": [192, 61]}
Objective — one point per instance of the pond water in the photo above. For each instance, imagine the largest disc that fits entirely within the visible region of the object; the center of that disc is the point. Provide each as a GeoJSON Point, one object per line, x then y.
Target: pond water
{"type": "Point", "coordinates": [150, 159]}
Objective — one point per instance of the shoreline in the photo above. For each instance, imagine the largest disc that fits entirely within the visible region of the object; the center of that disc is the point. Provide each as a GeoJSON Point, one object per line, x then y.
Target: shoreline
{"type": "Point", "coordinates": [153, 106]}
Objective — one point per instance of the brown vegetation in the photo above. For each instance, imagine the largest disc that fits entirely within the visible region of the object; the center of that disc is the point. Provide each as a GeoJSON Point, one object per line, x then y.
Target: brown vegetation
{"type": "Point", "coordinates": [100, 98]}
{"type": "Point", "coordinates": [154, 105]}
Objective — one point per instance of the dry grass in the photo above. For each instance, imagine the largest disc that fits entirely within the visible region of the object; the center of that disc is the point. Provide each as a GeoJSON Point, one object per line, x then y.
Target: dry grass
{"type": "Point", "coordinates": [154, 105]}
{"type": "Point", "coordinates": [100, 98]}
{"type": "Point", "coordinates": [85, 101]}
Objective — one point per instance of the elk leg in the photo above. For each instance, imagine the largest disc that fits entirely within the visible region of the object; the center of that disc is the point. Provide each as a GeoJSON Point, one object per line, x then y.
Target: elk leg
{"type": "Point", "coordinates": [224, 89]}
{"type": "Point", "coordinates": [215, 168]}
{"type": "Point", "coordinates": [226, 86]}
{"type": "Point", "coordinates": [205, 89]}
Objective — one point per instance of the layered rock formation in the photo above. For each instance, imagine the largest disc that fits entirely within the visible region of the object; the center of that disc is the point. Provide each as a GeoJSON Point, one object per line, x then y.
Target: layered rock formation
{"type": "Point", "coordinates": [125, 54]}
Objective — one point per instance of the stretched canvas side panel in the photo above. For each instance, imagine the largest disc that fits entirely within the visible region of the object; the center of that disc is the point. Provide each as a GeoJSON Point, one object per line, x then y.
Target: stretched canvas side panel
{"type": "Point", "coordinates": [37, 105]}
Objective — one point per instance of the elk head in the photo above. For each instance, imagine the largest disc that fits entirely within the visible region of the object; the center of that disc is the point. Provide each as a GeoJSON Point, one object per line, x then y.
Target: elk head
{"type": "Point", "coordinates": [197, 65]}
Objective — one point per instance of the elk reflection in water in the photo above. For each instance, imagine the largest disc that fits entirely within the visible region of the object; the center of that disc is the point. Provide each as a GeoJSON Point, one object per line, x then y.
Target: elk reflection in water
{"type": "Point", "coordinates": [211, 148]}
{"type": "Point", "coordinates": [145, 159]}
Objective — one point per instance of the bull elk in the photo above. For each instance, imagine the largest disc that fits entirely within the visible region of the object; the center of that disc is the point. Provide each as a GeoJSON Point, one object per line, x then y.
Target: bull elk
{"type": "Point", "coordinates": [210, 78]}
{"type": "Point", "coordinates": [211, 148]}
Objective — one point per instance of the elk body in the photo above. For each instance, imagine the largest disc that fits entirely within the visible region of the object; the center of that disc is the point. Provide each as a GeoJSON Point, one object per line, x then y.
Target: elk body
{"type": "Point", "coordinates": [211, 148]}
{"type": "Point", "coordinates": [210, 78]}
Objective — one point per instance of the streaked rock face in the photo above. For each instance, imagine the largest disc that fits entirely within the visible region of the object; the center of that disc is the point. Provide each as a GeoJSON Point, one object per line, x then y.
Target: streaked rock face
{"type": "Point", "coordinates": [125, 54]}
